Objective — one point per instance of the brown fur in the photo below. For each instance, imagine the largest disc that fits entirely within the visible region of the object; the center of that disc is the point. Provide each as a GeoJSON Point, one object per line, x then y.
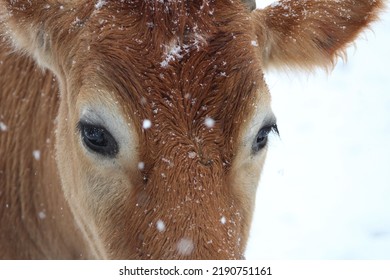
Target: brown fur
{"type": "Point", "coordinates": [309, 33]}
{"type": "Point", "coordinates": [27, 186]}
{"type": "Point", "coordinates": [115, 58]}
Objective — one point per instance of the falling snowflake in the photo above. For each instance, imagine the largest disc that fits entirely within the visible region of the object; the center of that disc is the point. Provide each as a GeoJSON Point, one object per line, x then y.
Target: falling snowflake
{"type": "Point", "coordinates": [41, 215]}
{"type": "Point", "coordinates": [209, 122]}
{"type": "Point", "coordinates": [3, 127]}
{"type": "Point", "coordinates": [141, 165]}
{"type": "Point", "coordinates": [160, 225]}
{"type": "Point", "coordinates": [185, 246]}
{"type": "Point", "coordinates": [37, 154]}
{"type": "Point", "coordinates": [146, 124]}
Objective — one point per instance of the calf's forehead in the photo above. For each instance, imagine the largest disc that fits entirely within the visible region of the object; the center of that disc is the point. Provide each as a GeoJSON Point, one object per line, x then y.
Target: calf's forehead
{"type": "Point", "coordinates": [210, 70]}
{"type": "Point", "coordinates": [190, 76]}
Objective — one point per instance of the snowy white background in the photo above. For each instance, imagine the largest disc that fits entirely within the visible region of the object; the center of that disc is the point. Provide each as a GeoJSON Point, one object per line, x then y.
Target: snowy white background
{"type": "Point", "coordinates": [325, 189]}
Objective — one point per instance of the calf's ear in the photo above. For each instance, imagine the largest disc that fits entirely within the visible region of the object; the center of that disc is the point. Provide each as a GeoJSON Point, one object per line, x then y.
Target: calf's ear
{"type": "Point", "coordinates": [46, 30]}
{"type": "Point", "coordinates": [309, 33]}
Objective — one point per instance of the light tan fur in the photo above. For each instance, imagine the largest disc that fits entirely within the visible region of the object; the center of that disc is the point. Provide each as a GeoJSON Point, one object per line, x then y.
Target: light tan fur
{"type": "Point", "coordinates": [175, 63]}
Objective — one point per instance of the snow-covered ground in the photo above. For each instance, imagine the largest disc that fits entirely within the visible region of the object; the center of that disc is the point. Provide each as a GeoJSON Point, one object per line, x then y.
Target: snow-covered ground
{"type": "Point", "coordinates": [325, 190]}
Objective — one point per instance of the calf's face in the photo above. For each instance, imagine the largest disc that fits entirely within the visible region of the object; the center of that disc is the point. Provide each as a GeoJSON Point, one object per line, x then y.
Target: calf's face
{"type": "Point", "coordinates": [162, 137]}
{"type": "Point", "coordinates": [164, 118]}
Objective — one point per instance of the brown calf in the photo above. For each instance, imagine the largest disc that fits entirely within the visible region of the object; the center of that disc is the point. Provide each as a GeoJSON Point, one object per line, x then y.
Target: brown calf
{"type": "Point", "coordinates": [138, 129]}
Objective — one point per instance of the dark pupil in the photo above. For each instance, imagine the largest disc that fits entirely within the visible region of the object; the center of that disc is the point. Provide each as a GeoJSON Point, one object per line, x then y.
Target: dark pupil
{"type": "Point", "coordinates": [261, 139]}
{"type": "Point", "coordinates": [95, 135]}
{"type": "Point", "coordinates": [98, 139]}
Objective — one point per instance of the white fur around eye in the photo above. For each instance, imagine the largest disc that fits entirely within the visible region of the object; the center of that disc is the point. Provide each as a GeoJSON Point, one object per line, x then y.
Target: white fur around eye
{"type": "Point", "coordinates": [261, 117]}
{"type": "Point", "coordinates": [107, 114]}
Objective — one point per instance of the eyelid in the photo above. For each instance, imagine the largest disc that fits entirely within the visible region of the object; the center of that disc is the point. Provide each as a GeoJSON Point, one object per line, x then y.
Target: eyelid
{"type": "Point", "coordinates": [93, 117]}
{"type": "Point", "coordinates": [268, 121]}
{"type": "Point", "coordinates": [86, 119]}
{"type": "Point", "coordinates": [84, 122]}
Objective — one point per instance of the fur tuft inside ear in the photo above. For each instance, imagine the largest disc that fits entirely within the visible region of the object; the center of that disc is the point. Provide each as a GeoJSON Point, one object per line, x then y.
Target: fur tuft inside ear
{"type": "Point", "coordinates": [45, 30]}
{"type": "Point", "coordinates": [310, 33]}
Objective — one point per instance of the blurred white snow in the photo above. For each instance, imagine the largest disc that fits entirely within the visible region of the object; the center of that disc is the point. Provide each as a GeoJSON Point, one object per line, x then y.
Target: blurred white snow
{"type": "Point", "coordinates": [325, 188]}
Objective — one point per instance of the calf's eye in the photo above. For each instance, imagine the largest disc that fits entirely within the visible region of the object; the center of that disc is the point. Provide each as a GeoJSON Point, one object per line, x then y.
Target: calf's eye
{"type": "Point", "coordinates": [262, 137]}
{"type": "Point", "coordinates": [98, 139]}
